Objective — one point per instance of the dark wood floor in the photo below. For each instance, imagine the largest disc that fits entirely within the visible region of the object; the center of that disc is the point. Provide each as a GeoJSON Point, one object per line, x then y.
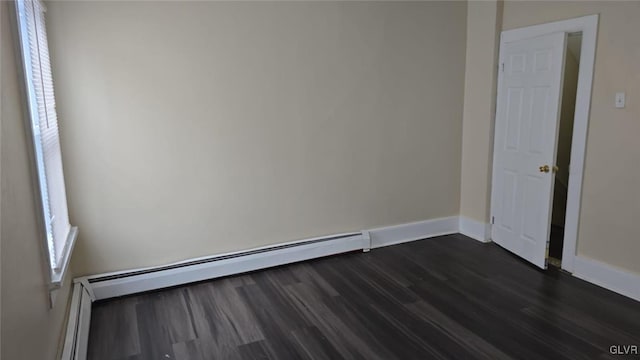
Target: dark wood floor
{"type": "Point", "coordinates": [443, 298]}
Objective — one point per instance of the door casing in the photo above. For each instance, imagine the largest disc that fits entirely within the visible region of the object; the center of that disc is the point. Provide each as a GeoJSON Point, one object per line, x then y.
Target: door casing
{"type": "Point", "coordinates": [588, 26]}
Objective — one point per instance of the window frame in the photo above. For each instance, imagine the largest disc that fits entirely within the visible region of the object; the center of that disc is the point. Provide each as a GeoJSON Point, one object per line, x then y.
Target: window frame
{"type": "Point", "coordinates": [57, 266]}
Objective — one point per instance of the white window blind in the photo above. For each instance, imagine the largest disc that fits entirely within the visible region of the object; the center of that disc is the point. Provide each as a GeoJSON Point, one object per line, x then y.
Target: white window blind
{"type": "Point", "coordinates": [44, 128]}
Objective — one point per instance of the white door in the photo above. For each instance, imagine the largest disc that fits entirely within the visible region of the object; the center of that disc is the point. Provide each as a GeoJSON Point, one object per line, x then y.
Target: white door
{"type": "Point", "coordinates": [528, 111]}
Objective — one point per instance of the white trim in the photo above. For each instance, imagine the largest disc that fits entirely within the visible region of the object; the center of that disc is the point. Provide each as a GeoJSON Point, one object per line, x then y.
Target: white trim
{"type": "Point", "coordinates": [84, 325]}
{"type": "Point", "coordinates": [397, 234]}
{"type": "Point", "coordinates": [367, 240]}
{"type": "Point", "coordinates": [84, 291]}
{"type": "Point", "coordinates": [588, 25]}
{"type": "Point", "coordinates": [57, 275]}
{"type": "Point", "coordinates": [72, 324]}
{"type": "Point", "coordinates": [205, 258]}
{"type": "Point", "coordinates": [238, 263]}
{"type": "Point", "coordinates": [204, 268]}
{"type": "Point", "coordinates": [77, 337]}
{"type": "Point", "coordinates": [85, 283]}
{"type": "Point", "coordinates": [475, 229]}
{"type": "Point", "coordinates": [609, 277]}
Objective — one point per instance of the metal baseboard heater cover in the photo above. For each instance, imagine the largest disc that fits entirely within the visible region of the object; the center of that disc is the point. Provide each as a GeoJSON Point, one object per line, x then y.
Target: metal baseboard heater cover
{"type": "Point", "coordinates": [130, 282]}
{"type": "Point", "coordinates": [97, 287]}
{"type": "Point", "coordinates": [77, 337]}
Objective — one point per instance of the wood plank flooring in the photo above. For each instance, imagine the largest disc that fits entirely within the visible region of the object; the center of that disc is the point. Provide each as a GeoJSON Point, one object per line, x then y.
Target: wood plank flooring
{"type": "Point", "coordinates": [443, 298]}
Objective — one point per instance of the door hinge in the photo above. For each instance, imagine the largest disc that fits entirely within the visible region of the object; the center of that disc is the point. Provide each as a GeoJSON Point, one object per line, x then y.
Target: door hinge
{"type": "Point", "coordinates": [493, 220]}
{"type": "Point", "coordinates": [502, 67]}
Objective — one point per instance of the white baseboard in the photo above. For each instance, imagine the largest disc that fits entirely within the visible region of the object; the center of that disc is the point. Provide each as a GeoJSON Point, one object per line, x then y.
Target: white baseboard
{"type": "Point", "coordinates": [77, 337]}
{"type": "Point", "coordinates": [97, 287]}
{"type": "Point", "coordinates": [609, 277]}
{"type": "Point", "coordinates": [121, 283]}
{"type": "Point", "coordinates": [135, 281]}
{"type": "Point", "coordinates": [397, 234]}
{"type": "Point", "coordinates": [475, 229]}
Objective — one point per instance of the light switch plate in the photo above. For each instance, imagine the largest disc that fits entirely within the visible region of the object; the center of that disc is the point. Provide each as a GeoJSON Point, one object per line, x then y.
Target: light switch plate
{"type": "Point", "coordinates": [620, 100]}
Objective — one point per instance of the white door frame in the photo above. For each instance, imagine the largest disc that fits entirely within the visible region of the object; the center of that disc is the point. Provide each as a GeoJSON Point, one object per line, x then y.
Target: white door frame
{"type": "Point", "coordinates": [588, 25]}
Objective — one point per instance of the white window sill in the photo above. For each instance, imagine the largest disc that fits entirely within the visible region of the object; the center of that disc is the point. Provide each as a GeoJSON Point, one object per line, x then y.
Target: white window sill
{"type": "Point", "coordinates": [58, 275]}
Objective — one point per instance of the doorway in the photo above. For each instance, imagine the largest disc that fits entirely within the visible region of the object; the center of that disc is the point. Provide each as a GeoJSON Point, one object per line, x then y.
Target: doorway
{"type": "Point", "coordinates": [563, 153]}
{"type": "Point", "coordinates": [525, 158]}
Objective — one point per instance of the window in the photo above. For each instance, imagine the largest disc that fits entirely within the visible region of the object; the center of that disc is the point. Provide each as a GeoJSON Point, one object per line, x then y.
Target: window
{"type": "Point", "coordinates": [43, 125]}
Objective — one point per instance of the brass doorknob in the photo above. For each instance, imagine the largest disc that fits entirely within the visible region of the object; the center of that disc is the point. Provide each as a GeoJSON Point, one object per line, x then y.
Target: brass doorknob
{"type": "Point", "coordinates": [544, 168]}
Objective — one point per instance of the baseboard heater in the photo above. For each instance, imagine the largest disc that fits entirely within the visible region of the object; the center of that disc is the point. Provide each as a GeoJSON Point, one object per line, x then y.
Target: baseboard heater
{"type": "Point", "coordinates": [98, 287]}
{"type": "Point", "coordinates": [77, 337]}
{"type": "Point", "coordinates": [130, 282]}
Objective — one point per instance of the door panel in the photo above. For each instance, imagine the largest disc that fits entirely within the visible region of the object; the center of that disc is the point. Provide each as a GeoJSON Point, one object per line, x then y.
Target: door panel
{"type": "Point", "coordinates": [528, 111]}
{"type": "Point", "coordinates": [510, 185]}
{"type": "Point", "coordinates": [515, 98]}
